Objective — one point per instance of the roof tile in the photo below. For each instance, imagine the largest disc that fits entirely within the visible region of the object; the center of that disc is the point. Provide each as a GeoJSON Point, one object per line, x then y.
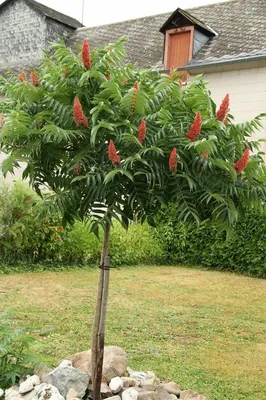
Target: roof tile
{"type": "Point", "coordinates": [240, 25]}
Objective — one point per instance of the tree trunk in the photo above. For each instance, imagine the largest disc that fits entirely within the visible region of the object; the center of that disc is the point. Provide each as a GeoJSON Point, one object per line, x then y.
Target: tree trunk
{"type": "Point", "coordinates": [97, 348]}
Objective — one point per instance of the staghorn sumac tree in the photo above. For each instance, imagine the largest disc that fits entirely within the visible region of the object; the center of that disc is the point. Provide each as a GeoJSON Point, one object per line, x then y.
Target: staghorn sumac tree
{"type": "Point", "coordinates": [110, 141]}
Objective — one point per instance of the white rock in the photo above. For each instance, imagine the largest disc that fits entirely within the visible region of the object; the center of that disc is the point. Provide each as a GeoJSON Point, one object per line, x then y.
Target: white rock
{"type": "Point", "coordinates": [29, 384]}
{"type": "Point", "coordinates": [26, 387]}
{"type": "Point", "coordinates": [138, 375]}
{"type": "Point", "coordinates": [30, 395]}
{"type": "Point", "coordinates": [12, 393]}
{"type": "Point", "coordinates": [105, 390]}
{"type": "Point", "coordinates": [45, 386]}
{"type": "Point", "coordinates": [65, 363]}
{"type": "Point", "coordinates": [46, 391]}
{"type": "Point", "coordinates": [35, 380]}
{"type": "Point", "coordinates": [1, 392]}
{"type": "Point", "coordinates": [71, 394]}
{"type": "Point", "coordinates": [116, 384]}
{"type": "Point", "coordinates": [114, 398]}
{"type": "Point", "coordinates": [130, 394]}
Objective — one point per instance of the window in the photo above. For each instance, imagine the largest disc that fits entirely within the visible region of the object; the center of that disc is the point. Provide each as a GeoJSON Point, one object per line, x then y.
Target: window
{"type": "Point", "coordinates": [178, 47]}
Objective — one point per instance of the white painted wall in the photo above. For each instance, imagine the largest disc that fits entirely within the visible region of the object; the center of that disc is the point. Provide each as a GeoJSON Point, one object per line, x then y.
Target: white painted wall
{"type": "Point", "coordinates": [247, 90]}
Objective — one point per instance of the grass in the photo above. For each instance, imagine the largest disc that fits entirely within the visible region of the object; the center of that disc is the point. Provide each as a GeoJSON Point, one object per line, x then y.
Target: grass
{"type": "Point", "coordinates": [205, 330]}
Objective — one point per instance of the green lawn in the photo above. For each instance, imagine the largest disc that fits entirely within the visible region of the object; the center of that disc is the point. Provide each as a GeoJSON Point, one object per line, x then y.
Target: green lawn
{"type": "Point", "coordinates": [203, 329]}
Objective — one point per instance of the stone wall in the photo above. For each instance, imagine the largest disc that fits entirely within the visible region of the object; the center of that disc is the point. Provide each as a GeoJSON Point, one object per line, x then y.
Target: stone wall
{"type": "Point", "coordinates": [55, 29]}
{"type": "Point", "coordinates": [22, 34]}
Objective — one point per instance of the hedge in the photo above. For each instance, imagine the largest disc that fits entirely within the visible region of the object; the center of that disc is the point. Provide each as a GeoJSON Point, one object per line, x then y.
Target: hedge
{"type": "Point", "coordinates": [243, 251]}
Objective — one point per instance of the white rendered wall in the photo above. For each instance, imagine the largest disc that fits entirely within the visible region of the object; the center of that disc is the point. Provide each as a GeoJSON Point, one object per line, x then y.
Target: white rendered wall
{"type": "Point", "coordinates": [247, 90]}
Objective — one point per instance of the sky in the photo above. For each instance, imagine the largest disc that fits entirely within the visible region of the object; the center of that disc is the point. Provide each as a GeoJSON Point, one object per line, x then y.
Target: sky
{"type": "Point", "coordinates": [100, 12]}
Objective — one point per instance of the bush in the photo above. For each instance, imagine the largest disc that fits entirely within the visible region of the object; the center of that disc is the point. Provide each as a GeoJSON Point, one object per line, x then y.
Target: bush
{"type": "Point", "coordinates": [30, 233]}
{"type": "Point", "coordinates": [79, 246]}
{"type": "Point", "coordinates": [243, 252]}
{"type": "Point", "coordinates": [138, 245]}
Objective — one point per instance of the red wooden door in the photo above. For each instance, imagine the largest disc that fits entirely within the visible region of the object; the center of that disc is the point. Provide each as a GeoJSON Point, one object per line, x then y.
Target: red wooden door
{"type": "Point", "coordinates": [178, 49]}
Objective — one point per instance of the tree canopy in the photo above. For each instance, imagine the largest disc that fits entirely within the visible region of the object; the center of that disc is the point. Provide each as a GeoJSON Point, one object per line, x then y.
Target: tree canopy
{"type": "Point", "coordinates": [110, 140]}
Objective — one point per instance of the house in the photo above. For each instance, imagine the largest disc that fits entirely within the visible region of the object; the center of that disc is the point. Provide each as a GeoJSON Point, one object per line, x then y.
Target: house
{"type": "Point", "coordinates": [26, 29]}
{"type": "Point", "coordinates": [224, 41]}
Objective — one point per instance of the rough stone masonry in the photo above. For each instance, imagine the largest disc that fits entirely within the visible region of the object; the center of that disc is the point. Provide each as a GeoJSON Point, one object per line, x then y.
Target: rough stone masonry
{"type": "Point", "coordinates": [24, 33]}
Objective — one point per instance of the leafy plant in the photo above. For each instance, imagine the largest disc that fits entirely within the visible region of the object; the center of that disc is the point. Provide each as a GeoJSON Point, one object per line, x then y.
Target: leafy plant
{"type": "Point", "coordinates": [31, 233]}
{"type": "Point", "coordinates": [205, 245]}
{"type": "Point", "coordinates": [29, 230]}
{"type": "Point", "coordinates": [17, 359]}
{"type": "Point", "coordinates": [113, 142]}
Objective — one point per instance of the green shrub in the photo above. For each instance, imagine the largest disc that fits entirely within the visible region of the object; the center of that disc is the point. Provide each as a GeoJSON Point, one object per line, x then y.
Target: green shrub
{"type": "Point", "coordinates": [31, 233]}
{"type": "Point", "coordinates": [138, 245]}
{"type": "Point", "coordinates": [80, 246]}
{"type": "Point", "coordinates": [244, 251]}
{"type": "Point", "coordinates": [17, 359]}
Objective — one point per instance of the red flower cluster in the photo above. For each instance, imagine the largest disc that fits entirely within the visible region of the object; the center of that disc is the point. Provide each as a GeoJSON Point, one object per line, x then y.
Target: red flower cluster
{"type": "Point", "coordinates": [241, 164]}
{"type": "Point", "coordinates": [78, 113]}
{"type": "Point", "coordinates": [34, 79]}
{"type": "Point", "coordinates": [66, 73]}
{"type": "Point", "coordinates": [223, 110]}
{"type": "Point", "coordinates": [142, 131]}
{"type": "Point", "coordinates": [86, 57]}
{"type": "Point", "coordinates": [173, 161]}
{"type": "Point", "coordinates": [135, 95]}
{"type": "Point", "coordinates": [112, 154]}
{"type": "Point", "coordinates": [124, 81]}
{"type": "Point", "coordinates": [195, 129]}
{"type": "Point", "coordinates": [22, 76]}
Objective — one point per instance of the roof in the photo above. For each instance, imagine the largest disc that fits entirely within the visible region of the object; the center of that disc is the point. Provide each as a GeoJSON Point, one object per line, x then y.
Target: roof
{"type": "Point", "coordinates": [50, 13]}
{"type": "Point", "coordinates": [145, 43]}
{"type": "Point", "coordinates": [180, 18]}
{"type": "Point", "coordinates": [240, 26]}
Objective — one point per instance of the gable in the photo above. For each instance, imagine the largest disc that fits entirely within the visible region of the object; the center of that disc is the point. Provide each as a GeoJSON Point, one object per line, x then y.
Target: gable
{"type": "Point", "coordinates": [22, 34]}
{"type": "Point", "coordinates": [26, 29]}
{"type": "Point", "coordinates": [49, 13]}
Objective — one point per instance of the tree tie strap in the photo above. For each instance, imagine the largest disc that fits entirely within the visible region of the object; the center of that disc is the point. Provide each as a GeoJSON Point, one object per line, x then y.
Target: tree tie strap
{"type": "Point", "coordinates": [105, 267]}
